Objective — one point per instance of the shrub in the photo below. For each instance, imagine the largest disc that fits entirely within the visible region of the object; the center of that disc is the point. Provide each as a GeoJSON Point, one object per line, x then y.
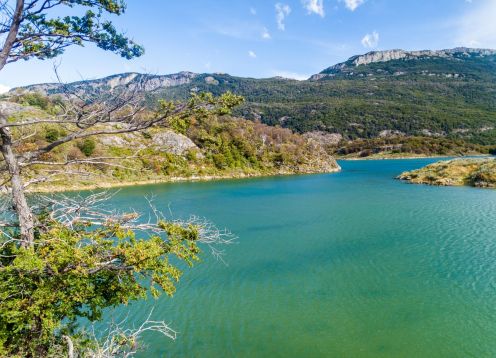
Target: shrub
{"type": "Point", "coordinates": [87, 146]}
{"type": "Point", "coordinates": [52, 135]}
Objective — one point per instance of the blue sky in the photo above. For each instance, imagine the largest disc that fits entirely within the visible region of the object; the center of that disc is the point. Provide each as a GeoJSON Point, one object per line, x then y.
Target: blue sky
{"type": "Point", "coordinates": [264, 38]}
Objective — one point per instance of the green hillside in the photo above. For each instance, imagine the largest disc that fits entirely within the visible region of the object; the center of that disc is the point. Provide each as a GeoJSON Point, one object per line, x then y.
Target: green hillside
{"type": "Point", "coordinates": [373, 99]}
{"type": "Point", "coordinates": [448, 93]}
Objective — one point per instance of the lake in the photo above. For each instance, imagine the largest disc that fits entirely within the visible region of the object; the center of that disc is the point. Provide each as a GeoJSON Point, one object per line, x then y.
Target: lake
{"type": "Point", "coordinates": [353, 264]}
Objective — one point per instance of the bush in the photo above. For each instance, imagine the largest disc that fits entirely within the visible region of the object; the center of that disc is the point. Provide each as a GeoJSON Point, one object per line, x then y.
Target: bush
{"type": "Point", "coordinates": [87, 146]}
{"type": "Point", "coordinates": [52, 135]}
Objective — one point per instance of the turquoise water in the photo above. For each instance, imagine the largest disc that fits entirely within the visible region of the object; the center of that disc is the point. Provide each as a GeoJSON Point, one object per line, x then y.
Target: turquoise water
{"type": "Point", "coordinates": [353, 264]}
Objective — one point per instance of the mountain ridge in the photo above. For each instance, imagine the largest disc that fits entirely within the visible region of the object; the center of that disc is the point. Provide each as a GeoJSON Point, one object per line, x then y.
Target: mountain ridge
{"type": "Point", "coordinates": [185, 77]}
{"type": "Point", "coordinates": [446, 93]}
{"type": "Point", "coordinates": [398, 54]}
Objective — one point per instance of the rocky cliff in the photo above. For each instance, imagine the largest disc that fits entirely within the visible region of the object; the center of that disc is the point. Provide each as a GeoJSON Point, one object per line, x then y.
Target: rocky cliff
{"type": "Point", "coordinates": [459, 53]}
{"type": "Point", "coordinates": [122, 80]}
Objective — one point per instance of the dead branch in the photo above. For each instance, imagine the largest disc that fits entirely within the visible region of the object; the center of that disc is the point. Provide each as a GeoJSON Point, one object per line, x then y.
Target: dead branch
{"type": "Point", "coordinates": [119, 341]}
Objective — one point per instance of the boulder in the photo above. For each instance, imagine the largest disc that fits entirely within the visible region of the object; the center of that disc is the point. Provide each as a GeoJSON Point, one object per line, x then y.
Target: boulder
{"type": "Point", "coordinates": [172, 142]}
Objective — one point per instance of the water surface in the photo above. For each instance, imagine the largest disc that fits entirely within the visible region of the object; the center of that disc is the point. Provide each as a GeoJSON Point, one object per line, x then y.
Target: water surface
{"type": "Point", "coordinates": [353, 264]}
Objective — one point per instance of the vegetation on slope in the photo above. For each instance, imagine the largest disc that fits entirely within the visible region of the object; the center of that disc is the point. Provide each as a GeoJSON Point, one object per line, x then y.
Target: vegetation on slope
{"type": "Point", "coordinates": [450, 97]}
{"type": "Point", "coordinates": [212, 147]}
{"type": "Point", "coordinates": [447, 97]}
{"type": "Point", "coordinates": [399, 146]}
{"type": "Point", "coordinates": [474, 172]}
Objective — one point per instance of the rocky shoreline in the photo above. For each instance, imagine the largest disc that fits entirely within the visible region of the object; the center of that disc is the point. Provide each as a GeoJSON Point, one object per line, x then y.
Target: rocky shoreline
{"type": "Point", "coordinates": [475, 172]}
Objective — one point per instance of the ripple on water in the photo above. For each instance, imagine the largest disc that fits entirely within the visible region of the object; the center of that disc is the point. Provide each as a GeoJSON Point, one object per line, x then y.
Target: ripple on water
{"type": "Point", "coordinates": [348, 265]}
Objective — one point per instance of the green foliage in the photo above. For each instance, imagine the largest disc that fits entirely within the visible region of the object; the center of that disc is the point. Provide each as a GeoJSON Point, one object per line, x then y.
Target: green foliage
{"type": "Point", "coordinates": [43, 36]}
{"type": "Point", "coordinates": [409, 146]}
{"type": "Point", "coordinates": [369, 99]}
{"type": "Point", "coordinates": [226, 146]}
{"type": "Point", "coordinates": [52, 134]}
{"type": "Point", "coordinates": [71, 273]}
{"type": "Point", "coordinates": [87, 146]}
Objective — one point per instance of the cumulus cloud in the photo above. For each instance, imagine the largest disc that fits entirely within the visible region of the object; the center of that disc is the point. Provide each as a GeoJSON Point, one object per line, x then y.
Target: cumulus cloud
{"type": "Point", "coordinates": [477, 27]}
{"type": "Point", "coordinates": [314, 7]}
{"type": "Point", "coordinates": [252, 54]}
{"type": "Point", "coordinates": [4, 88]}
{"type": "Point", "coordinates": [353, 4]}
{"type": "Point", "coordinates": [282, 11]}
{"type": "Point", "coordinates": [266, 34]}
{"type": "Point", "coordinates": [371, 40]}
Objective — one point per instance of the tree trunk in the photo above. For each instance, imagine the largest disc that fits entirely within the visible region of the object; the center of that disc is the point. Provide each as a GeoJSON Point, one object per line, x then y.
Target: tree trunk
{"type": "Point", "coordinates": [13, 31]}
{"type": "Point", "coordinates": [24, 214]}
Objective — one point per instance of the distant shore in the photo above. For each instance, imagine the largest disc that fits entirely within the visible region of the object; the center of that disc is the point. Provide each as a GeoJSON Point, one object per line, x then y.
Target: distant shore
{"type": "Point", "coordinates": [57, 188]}
{"type": "Point", "coordinates": [412, 157]}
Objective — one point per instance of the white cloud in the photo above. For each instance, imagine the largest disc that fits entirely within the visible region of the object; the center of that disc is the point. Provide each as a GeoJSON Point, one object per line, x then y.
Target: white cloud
{"type": "Point", "coordinates": [314, 7]}
{"type": "Point", "coordinates": [282, 10]}
{"type": "Point", "coordinates": [252, 54]}
{"type": "Point", "coordinates": [371, 40]}
{"type": "Point", "coordinates": [247, 30]}
{"type": "Point", "coordinates": [4, 89]}
{"type": "Point", "coordinates": [353, 4]}
{"type": "Point", "coordinates": [253, 11]}
{"type": "Point", "coordinates": [291, 75]}
{"type": "Point", "coordinates": [477, 27]}
{"type": "Point", "coordinates": [266, 34]}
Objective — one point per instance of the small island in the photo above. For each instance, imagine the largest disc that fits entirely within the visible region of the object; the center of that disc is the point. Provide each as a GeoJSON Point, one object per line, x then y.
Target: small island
{"type": "Point", "coordinates": [476, 172]}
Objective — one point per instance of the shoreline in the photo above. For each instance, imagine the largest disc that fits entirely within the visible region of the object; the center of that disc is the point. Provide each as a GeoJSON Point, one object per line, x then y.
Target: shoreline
{"type": "Point", "coordinates": [192, 179]}
{"type": "Point", "coordinates": [417, 157]}
{"type": "Point", "coordinates": [208, 178]}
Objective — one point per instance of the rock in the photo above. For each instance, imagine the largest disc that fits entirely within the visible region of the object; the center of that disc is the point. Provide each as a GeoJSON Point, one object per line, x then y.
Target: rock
{"type": "Point", "coordinates": [428, 133]}
{"type": "Point", "coordinates": [324, 138]}
{"type": "Point", "coordinates": [172, 142]}
{"type": "Point", "coordinates": [391, 55]}
{"type": "Point", "coordinates": [387, 133]}
{"type": "Point", "coordinates": [119, 81]}
{"type": "Point", "coordinates": [113, 141]}
{"type": "Point", "coordinates": [10, 108]}
{"type": "Point", "coordinates": [211, 81]}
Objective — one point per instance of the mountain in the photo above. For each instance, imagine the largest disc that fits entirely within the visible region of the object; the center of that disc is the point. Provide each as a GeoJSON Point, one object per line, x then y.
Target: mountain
{"type": "Point", "coordinates": [400, 59]}
{"type": "Point", "coordinates": [447, 93]}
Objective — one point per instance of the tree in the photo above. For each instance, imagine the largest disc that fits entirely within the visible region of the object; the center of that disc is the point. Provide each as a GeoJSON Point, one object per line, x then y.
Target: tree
{"type": "Point", "coordinates": [62, 259]}
{"type": "Point", "coordinates": [30, 32]}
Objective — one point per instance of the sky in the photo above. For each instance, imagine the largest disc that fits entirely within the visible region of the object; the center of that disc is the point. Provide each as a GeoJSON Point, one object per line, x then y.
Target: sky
{"type": "Point", "coordinates": [266, 38]}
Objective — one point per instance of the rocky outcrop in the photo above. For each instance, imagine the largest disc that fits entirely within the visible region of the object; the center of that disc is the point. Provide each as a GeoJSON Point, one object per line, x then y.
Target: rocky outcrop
{"type": "Point", "coordinates": [391, 55]}
{"type": "Point", "coordinates": [324, 138]}
{"type": "Point", "coordinates": [473, 172]}
{"type": "Point", "coordinates": [172, 142]}
{"type": "Point", "coordinates": [389, 133]}
{"type": "Point", "coordinates": [123, 80]}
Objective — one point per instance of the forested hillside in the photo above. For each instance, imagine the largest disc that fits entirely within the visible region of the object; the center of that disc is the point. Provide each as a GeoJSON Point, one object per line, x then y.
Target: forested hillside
{"type": "Point", "coordinates": [450, 93]}
{"type": "Point", "coordinates": [200, 148]}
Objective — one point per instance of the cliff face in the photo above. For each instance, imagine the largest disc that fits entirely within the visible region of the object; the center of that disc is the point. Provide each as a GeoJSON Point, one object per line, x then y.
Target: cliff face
{"type": "Point", "coordinates": [122, 80]}
{"type": "Point", "coordinates": [459, 53]}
